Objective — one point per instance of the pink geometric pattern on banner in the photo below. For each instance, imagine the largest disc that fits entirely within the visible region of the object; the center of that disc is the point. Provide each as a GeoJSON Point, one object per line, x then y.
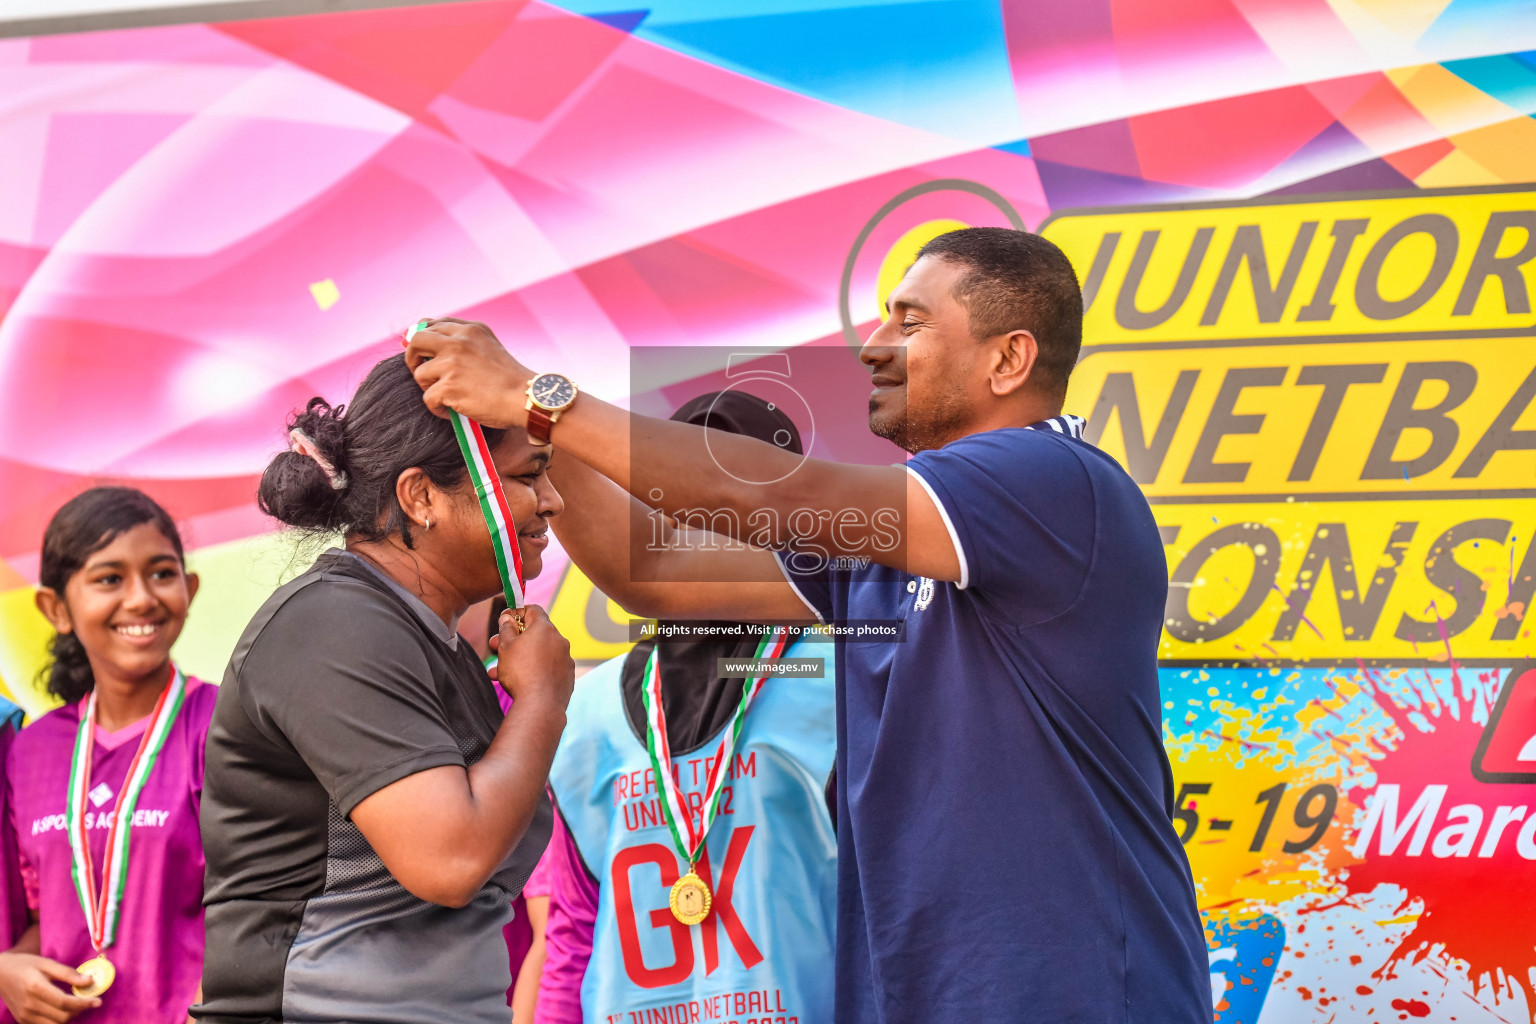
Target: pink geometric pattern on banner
{"type": "Point", "coordinates": [203, 225]}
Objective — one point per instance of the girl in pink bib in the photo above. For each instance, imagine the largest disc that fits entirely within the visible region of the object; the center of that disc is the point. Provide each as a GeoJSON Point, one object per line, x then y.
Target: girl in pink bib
{"type": "Point", "coordinates": [102, 794]}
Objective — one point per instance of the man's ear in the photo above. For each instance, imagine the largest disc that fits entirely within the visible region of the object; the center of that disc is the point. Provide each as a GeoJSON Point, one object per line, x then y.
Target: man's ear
{"type": "Point", "coordinates": [52, 605]}
{"type": "Point", "coordinates": [1014, 361]}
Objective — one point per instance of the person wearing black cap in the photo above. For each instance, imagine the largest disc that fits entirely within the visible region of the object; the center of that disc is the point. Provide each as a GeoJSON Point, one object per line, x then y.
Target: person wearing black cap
{"type": "Point", "coordinates": [638, 866]}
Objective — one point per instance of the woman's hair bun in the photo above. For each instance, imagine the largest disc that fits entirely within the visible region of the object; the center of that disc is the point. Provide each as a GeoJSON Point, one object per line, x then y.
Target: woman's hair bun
{"type": "Point", "coordinates": [385, 430]}
{"type": "Point", "coordinates": [297, 490]}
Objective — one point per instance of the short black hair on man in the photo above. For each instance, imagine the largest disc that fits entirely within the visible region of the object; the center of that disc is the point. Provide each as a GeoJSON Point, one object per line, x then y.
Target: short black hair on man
{"type": "Point", "coordinates": [1018, 281]}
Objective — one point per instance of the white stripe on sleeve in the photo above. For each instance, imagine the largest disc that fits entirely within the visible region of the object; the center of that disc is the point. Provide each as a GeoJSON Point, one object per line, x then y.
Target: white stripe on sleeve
{"type": "Point", "coordinates": [965, 569]}
{"type": "Point", "coordinates": [796, 588]}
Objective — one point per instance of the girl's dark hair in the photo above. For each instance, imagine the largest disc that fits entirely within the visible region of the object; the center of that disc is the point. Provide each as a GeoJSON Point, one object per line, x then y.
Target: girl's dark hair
{"type": "Point", "coordinates": [87, 523]}
{"type": "Point", "coordinates": [385, 430]}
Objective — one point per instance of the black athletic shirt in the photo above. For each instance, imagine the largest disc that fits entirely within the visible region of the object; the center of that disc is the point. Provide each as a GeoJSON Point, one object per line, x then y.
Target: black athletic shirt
{"type": "Point", "coordinates": [343, 683]}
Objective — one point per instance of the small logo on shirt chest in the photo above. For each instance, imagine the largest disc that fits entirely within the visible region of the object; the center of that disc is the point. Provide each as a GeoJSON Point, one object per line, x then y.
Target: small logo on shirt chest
{"type": "Point", "coordinates": [923, 588]}
{"type": "Point", "coordinates": [100, 795]}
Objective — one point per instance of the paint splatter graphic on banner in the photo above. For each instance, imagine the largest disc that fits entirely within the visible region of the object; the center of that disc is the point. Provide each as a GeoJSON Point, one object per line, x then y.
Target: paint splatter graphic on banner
{"type": "Point", "coordinates": [1469, 856]}
{"type": "Point", "coordinates": [1382, 910]}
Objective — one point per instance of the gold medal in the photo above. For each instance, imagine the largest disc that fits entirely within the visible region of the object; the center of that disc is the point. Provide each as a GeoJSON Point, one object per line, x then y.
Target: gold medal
{"type": "Point", "coordinates": [690, 899]}
{"type": "Point", "coordinates": [101, 972]}
{"type": "Point", "coordinates": [101, 904]}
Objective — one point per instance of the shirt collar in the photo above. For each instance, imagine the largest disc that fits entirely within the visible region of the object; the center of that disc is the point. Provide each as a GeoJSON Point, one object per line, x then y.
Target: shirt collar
{"type": "Point", "coordinates": [436, 626]}
{"type": "Point", "coordinates": [1072, 426]}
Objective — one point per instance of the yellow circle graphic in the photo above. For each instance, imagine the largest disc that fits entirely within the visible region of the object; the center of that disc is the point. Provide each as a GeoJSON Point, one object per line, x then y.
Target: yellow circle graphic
{"type": "Point", "coordinates": [904, 253]}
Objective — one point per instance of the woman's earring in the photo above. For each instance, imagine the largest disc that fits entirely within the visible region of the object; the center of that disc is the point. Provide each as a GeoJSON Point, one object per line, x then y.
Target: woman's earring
{"type": "Point", "coordinates": [428, 526]}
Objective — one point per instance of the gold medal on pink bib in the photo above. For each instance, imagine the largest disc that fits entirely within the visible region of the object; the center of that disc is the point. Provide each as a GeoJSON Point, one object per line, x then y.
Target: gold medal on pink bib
{"type": "Point", "coordinates": [102, 974]}
{"type": "Point", "coordinates": [103, 904]}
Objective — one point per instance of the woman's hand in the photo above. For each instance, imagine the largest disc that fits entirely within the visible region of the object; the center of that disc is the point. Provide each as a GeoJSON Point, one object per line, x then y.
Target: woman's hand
{"type": "Point", "coordinates": [461, 366]}
{"type": "Point", "coordinates": [27, 984]}
{"type": "Point", "coordinates": [533, 664]}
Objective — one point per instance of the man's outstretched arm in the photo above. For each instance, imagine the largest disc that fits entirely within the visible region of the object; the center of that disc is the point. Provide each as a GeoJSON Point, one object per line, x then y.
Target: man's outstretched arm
{"type": "Point", "coordinates": [882, 513]}
{"type": "Point", "coordinates": [656, 569]}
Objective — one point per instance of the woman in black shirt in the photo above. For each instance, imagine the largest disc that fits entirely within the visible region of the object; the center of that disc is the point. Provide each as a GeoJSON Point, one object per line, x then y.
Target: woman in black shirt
{"type": "Point", "coordinates": [368, 812]}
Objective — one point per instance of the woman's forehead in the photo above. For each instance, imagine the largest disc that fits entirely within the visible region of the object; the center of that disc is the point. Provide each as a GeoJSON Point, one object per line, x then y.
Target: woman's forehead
{"type": "Point", "coordinates": [516, 456]}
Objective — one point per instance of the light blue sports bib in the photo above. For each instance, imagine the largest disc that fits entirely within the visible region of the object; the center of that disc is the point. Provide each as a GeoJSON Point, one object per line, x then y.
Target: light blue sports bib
{"type": "Point", "coordinates": [764, 955]}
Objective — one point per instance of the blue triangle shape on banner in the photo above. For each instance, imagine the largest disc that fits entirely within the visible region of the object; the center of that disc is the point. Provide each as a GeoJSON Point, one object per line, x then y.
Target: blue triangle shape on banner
{"type": "Point", "coordinates": [624, 21]}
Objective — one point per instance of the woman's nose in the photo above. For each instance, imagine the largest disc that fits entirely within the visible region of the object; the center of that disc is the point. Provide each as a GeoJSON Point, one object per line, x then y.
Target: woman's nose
{"type": "Point", "coordinates": [550, 502]}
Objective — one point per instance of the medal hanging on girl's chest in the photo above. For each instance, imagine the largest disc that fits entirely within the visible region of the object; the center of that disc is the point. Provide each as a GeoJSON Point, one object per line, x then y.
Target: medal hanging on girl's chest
{"type": "Point", "coordinates": [103, 906]}
{"type": "Point", "coordinates": [690, 898]}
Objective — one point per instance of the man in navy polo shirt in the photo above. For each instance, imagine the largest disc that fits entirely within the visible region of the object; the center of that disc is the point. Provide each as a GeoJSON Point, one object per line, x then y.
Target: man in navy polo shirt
{"type": "Point", "coordinates": [1006, 851]}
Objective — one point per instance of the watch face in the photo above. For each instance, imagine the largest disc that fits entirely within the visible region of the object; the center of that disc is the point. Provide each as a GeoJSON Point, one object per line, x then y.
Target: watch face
{"type": "Point", "coordinates": [553, 391]}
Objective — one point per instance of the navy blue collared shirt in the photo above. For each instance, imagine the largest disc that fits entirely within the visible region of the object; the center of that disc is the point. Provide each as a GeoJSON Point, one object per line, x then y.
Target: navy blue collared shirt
{"type": "Point", "coordinates": [1006, 850]}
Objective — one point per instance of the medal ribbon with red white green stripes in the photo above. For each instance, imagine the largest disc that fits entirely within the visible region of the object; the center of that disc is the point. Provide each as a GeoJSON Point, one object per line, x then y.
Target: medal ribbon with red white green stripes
{"type": "Point", "coordinates": [103, 906]}
{"type": "Point", "coordinates": [688, 839]}
{"type": "Point", "coordinates": [493, 501]}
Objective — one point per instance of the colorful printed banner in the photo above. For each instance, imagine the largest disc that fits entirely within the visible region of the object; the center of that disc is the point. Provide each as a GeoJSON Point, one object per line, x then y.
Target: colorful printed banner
{"type": "Point", "coordinates": [1307, 230]}
{"type": "Point", "coordinates": [1330, 404]}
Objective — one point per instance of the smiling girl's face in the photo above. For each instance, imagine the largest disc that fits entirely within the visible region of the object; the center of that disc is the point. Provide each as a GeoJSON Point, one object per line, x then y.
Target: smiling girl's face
{"type": "Point", "coordinates": [127, 604]}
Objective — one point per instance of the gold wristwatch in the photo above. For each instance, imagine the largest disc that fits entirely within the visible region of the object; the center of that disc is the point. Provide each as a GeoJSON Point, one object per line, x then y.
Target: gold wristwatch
{"type": "Point", "coordinates": [549, 395]}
